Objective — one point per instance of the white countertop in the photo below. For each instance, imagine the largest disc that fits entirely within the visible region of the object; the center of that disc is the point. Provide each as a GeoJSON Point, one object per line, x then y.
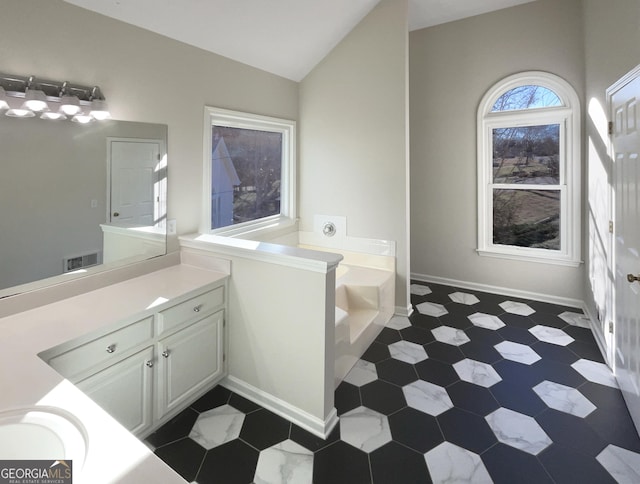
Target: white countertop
{"type": "Point", "coordinates": [114, 455]}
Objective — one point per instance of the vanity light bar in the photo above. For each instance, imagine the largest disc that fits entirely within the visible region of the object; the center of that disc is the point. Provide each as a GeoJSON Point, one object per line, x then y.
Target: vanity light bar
{"type": "Point", "coordinates": [27, 97]}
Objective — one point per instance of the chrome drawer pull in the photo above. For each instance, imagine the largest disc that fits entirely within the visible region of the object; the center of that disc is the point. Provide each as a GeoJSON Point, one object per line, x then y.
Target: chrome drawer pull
{"type": "Point", "coordinates": [197, 308]}
{"type": "Point", "coordinates": [166, 353]}
{"type": "Point", "coordinates": [149, 363]}
{"type": "Point", "coordinates": [111, 348]}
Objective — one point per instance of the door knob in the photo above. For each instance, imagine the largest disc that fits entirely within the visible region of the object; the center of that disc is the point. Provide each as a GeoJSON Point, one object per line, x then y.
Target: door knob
{"type": "Point", "coordinates": [116, 214]}
{"type": "Point", "coordinates": [632, 278]}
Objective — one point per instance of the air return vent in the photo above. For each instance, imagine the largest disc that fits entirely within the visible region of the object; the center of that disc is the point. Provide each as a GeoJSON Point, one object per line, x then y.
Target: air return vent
{"type": "Point", "coordinates": [76, 262]}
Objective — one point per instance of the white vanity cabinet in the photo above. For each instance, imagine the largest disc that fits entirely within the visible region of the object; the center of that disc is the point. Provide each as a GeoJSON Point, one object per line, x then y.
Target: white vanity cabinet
{"type": "Point", "coordinates": [125, 390]}
{"type": "Point", "coordinates": [148, 368]}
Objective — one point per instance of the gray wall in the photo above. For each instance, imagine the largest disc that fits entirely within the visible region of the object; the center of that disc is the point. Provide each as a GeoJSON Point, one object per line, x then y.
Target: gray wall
{"type": "Point", "coordinates": [612, 48]}
{"type": "Point", "coordinates": [145, 77]}
{"type": "Point", "coordinates": [353, 135]}
{"type": "Point", "coordinates": [451, 67]}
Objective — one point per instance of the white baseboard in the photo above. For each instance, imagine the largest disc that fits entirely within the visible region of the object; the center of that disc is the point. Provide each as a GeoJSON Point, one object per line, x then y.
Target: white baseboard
{"type": "Point", "coordinates": [597, 334]}
{"type": "Point", "coordinates": [319, 427]}
{"type": "Point", "coordinates": [562, 301]}
{"type": "Point", "coordinates": [402, 311]}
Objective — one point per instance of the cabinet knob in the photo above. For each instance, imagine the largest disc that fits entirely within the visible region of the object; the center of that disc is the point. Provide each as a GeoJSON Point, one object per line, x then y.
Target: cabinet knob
{"type": "Point", "coordinates": [166, 353]}
{"type": "Point", "coordinates": [111, 348]}
{"type": "Point", "coordinates": [149, 363]}
{"type": "Point", "coordinates": [197, 308]}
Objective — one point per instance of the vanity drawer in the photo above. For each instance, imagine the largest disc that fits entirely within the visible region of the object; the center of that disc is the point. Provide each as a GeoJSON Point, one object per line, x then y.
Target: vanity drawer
{"type": "Point", "coordinates": [187, 310]}
{"type": "Point", "coordinates": [104, 349]}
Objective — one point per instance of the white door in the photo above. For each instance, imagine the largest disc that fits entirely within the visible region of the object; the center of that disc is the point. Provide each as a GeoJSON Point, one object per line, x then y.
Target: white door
{"type": "Point", "coordinates": [134, 174]}
{"type": "Point", "coordinates": [624, 97]}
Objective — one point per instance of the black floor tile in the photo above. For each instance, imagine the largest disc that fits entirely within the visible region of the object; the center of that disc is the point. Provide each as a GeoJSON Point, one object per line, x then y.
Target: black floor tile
{"type": "Point", "coordinates": [444, 352]}
{"type": "Point", "coordinates": [437, 372]}
{"type": "Point", "coordinates": [340, 463]}
{"type": "Point", "coordinates": [586, 350]}
{"type": "Point", "coordinates": [178, 427]}
{"type": "Point", "coordinates": [383, 397]}
{"type": "Point", "coordinates": [232, 463]}
{"type": "Point", "coordinates": [394, 463]}
{"type": "Point", "coordinates": [547, 319]}
{"type": "Point", "coordinates": [311, 441]}
{"type": "Point", "coordinates": [458, 321]}
{"type": "Point", "coordinates": [415, 429]}
{"type": "Point", "coordinates": [517, 321]}
{"type": "Point", "coordinates": [571, 432]}
{"type": "Point", "coordinates": [417, 335]}
{"type": "Point", "coordinates": [518, 397]}
{"type": "Point", "coordinates": [566, 465]}
{"type": "Point", "coordinates": [507, 465]}
{"type": "Point", "coordinates": [242, 404]}
{"type": "Point", "coordinates": [517, 335]}
{"type": "Point", "coordinates": [466, 430]}
{"type": "Point", "coordinates": [580, 334]}
{"type": "Point", "coordinates": [558, 372]}
{"type": "Point", "coordinates": [483, 335]}
{"type": "Point", "coordinates": [396, 372]}
{"type": "Point", "coordinates": [347, 397]}
{"type": "Point", "coordinates": [262, 429]}
{"type": "Point", "coordinates": [472, 398]}
{"type": "Point", "coordinates": [184, 456]}
{"type": "Point", "coordinates": [423, 321]}
{"type": "Point", "coordinates": [561, 354]}
{"type": "Point", "coordinates": [212, 399]}
{"type": "Point", "coordinates": [388, 336]}
{"type": "Point", "coordinates": [479, 351]}
{"type": "Point", "coordinates": [376, 352]}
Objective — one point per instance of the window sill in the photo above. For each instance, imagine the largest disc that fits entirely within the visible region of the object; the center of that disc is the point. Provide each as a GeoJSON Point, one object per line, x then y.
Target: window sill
{"type": "Point", "coordinates": [258, 230]}
{"type": "Point", "coordinates": [528, 257]}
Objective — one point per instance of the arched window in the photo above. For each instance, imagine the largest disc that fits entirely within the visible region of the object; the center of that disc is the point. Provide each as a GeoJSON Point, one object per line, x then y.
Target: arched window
{"type": "Point", "coordinates": [529, 170]}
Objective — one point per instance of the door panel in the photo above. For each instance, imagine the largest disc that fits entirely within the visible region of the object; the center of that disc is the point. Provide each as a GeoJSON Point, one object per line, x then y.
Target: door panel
{"type": "Point", "coordinates": [626, 150]}
{"type": "Point", "coordinates": [133, 176]}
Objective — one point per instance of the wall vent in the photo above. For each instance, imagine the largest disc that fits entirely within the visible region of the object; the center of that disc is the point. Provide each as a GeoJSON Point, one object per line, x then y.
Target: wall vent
{"type": "Point", "coordinates": [73, 263]}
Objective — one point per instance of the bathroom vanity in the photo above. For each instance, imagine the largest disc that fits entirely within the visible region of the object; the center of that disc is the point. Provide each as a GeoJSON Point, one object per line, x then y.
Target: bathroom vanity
{"type": "Point", "coordinates": [143, 349]}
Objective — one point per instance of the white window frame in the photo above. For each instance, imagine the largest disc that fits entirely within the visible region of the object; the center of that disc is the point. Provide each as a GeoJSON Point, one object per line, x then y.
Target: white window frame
{"type": "Point", "coordinates": [235, 119]}
{"type": "Point", "coordinates": [568, 117]}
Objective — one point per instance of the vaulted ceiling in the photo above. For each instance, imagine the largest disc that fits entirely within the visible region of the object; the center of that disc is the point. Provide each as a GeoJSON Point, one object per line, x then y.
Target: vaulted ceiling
{"type": "Point", "coordinates": [284, 37]}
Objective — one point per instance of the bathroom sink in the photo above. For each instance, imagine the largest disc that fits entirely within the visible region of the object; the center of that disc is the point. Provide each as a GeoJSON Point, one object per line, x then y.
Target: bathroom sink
{"type": "Point", "coordinates": [47, 433]}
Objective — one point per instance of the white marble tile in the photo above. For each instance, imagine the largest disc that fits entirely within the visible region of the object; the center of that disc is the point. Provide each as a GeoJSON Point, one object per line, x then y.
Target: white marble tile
{"type": "Point", "coordinates": [622, 464]}
{"type": "Point", "coordinates": [595, 372]}
{"type": "Point", "coordinates": [551, 335]}
{"type": "Point", "coordinates": [486, 321]}
{"type": "Point", "coordinates": [365, 429]}
{"type": "Point", "coordinates": [575, 319]}
{"type": "Point", "coordinates": [518, 430]}
{"type": "Point", "coordinates": [451, 336]}
{"type": "Point", "coordinates": [517, 352]}
{"type": "Point", "coordinates": [399, 322]}
{"type": "Point", "coordinates": [217, 426]}
{"type": "Point", "coordinates": [450, 464]}
{"type": "Point", "coordinates": [464, 298]}
{"type": "Point", "coordinates": [420, 289]}
{"type": "Point", "coordinates": [363, 372]}
{"type": "Point", "coordinates": [476, 372]}
{"type": "Point", "coordinates": [427, 397]}
{"type": "Point", "coordinates": [517, 308]}
{"type": "Point", "coordinates": [284, 463]}
{"type": "Point", "coordinates": [431, 309]}
{"type": "Point", "coordinates": [407, 352]}
{"type": "Point", "coordinates": [564, 398]}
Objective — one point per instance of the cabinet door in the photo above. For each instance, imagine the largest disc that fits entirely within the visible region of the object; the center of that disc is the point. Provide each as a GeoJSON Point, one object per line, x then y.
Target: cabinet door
{"type": "Point", "coordinates": [189, 361]}
{"type": "Point", "coordinates": [124, 390]}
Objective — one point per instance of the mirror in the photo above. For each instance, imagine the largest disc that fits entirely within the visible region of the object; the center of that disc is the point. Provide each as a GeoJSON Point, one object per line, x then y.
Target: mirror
{"type": "Point", "coordinates": [77, 199]}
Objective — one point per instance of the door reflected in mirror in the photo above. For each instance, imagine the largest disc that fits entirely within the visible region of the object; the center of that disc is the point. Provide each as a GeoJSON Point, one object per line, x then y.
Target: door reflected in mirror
{"type": "Point", "coordinates": [78, 199]}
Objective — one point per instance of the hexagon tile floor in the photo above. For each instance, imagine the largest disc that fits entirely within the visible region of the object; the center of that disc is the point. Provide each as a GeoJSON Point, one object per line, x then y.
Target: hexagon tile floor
{"type": "Point", "coordinates": [472, 388]}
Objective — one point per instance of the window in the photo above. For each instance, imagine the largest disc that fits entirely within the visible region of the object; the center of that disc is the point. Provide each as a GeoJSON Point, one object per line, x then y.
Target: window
{"type": "Point", "coordinates": [529, 170]}
{"type": "Point", "coordinates": [249, 166]}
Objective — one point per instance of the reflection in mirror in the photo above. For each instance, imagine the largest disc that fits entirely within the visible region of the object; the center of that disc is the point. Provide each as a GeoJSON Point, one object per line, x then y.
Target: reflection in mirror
{"type": "Point", "coordinates": [77, 199]}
